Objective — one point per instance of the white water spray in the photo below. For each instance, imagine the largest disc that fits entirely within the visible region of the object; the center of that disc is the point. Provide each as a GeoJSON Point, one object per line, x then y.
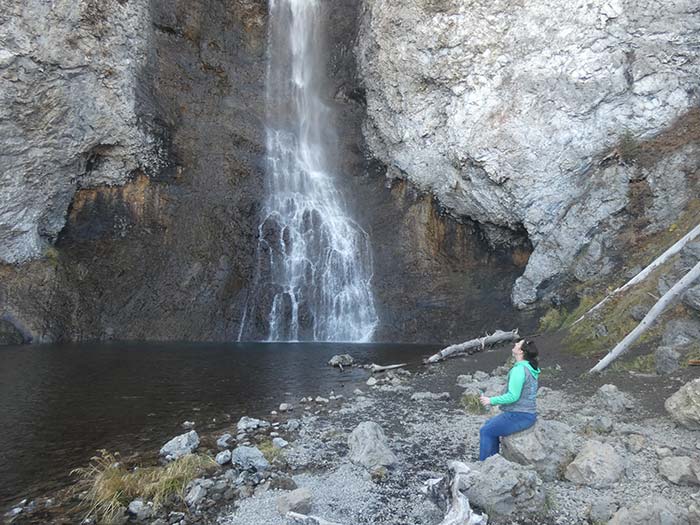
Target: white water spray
{"type": "Point", "coordinates": [314, 262]}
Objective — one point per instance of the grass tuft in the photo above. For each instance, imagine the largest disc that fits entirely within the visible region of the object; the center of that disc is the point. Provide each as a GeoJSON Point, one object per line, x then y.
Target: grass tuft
{"type": "Point", "coordinates": [471, 404]}
{"type": "Point", "coordinates": [645, 364]}
{"type": "Point", "coordinates": [271, 452]}
{"type": "Point", "coordinates": [107, 486]}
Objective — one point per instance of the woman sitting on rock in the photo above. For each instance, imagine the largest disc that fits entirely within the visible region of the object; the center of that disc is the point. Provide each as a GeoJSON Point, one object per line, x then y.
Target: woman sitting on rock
{"type": "Point", "coordinates": [518, 409]}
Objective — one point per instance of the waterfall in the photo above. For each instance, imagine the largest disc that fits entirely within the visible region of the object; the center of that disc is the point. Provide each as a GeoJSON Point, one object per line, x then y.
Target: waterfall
{"type": "Point", "coordinates": [314, 263]}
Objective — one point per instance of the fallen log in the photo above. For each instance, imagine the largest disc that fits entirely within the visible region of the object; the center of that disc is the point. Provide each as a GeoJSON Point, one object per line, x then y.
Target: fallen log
{"type": "Point", "coordinates": [673, 250]}
{"type": "Point", "coordinates": [474, 345]}
{"type": "Point", "coordinates": [303, 519]}
{"type": "Point", "coordinates": [666, 299]}
{"type": "Point", "coordinates": [448, 493]}
{"type": "Point", "coordinates": [378, 368]}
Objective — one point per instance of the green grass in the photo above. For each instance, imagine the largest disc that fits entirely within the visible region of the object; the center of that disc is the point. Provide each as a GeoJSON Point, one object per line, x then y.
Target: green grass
{"type": "Point", "coordinates": [270, 452]}
{"type": "Point", "coordinates": [471, 404]}
{"type": "Point", "coordinates": [107, 485]}
{"type": "Point", "coordinates": [644, 364]}
{"type": "Point", "coordinates": [557, 318]}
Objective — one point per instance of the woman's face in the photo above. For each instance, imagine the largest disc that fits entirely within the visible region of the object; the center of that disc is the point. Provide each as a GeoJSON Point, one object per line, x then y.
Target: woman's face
{"type": "Point", "coordinates": [517, 350]}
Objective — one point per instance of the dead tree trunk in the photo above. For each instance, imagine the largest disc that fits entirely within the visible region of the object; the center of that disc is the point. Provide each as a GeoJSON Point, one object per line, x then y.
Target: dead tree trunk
{"type": "Point", "coordinates": [474, 345]}
{"type": "Point", "coordinates": [673, 250]}
{"type": "Point", "coordinates": [447, 493]}
{"type": "Point", "coordinates": [373, 368]}
{"type": "Point", "coordinates": [669, 297]}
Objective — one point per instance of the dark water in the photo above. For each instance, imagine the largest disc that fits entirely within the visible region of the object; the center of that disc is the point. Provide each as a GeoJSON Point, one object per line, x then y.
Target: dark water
{"type": "Point", "coordinates": [60, 404]}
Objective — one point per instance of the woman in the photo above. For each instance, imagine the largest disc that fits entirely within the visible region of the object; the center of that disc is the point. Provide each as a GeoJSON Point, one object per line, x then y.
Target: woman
{"type": "Point", "coordinates": [518, 409]}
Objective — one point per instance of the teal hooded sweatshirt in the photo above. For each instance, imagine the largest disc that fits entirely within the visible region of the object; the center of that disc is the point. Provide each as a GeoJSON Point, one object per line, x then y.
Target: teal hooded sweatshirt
{"type": "Point", "coordinates": [517, 377]}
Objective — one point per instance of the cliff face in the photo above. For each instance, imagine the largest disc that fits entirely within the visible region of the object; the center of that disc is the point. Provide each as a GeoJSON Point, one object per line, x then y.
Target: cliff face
{"type": "Point", "coordinates": [136, 136]}
{"type": "Point", "coordinates": [525, 116]}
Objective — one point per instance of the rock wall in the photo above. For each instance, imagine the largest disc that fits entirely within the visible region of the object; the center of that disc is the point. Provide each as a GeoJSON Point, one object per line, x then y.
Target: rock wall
{"type": "Point", "coordinates": [138, 152]}
{"type": "Point", "coordinates": [511, 112]}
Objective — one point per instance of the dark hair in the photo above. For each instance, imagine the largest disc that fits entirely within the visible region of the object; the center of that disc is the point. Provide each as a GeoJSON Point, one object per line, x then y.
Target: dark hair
{"type": "Point", "coordinates": [531, 353]}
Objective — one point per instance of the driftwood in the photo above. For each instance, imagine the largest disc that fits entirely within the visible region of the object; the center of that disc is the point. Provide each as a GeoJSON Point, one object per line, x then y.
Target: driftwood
{"type": "Point", "coordinates": [447, 494]}
{"type": "Point", "coordinates": [378, 368]}
{"type": "Point", "coordinates": [303, 519]}
{"type": "Point", "coordinates": [668, 298]}
{"type": "Point", "coordinates": [673, 250]}
{"type": "Point", "coordinates": [474, 345]}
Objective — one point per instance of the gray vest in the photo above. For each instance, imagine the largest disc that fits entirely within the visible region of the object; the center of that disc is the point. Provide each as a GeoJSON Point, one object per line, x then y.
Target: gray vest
{"type": "Point", "coordinates": [526, 403]}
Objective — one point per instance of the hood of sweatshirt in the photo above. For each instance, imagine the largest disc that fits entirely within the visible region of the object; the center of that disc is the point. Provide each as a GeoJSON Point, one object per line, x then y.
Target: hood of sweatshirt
{"type": "Point", "coordinates": [534, 371]}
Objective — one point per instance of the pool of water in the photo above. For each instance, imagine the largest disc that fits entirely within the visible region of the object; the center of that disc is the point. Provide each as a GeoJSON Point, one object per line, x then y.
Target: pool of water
{"type": "Point", "coordinates": [59, 404]}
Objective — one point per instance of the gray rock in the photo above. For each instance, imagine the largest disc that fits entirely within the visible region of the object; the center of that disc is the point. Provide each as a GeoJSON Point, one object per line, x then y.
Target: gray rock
{"type": "Point", "coordinates": [196, 494]}
{"type": "Point", "coordinates": [248, 424]}
{"type": "Point", "coordinates": [464, 381]}
{"type": "Point", "coordinates": [638, 312]}
{"type": "Point", "coordinates": [655, 509]}
{"type": "Point", "coordinates": [497, 143]}
{"type": "Point", "coordinates": [283, 483]}
{"type": "Point", "coordinates": [341, 360]}
{"type": "Point", "coordinates": [684, 406]}
{"type": "Point", "coordinates": [602, 509]}
{"type": "Point", "coordinates": [679, 332]}
{"type": "Point", "coordinates": [505, 487]}
{"type": "Point", "coordinates": [430, 396]}
{"type": "Point", "coordinates": [286, 407]}
{"type": "Point", "coordinates": [223, 441]}
{"type": "Point", "coordinates": [480, 375]}
{"type": "Point", "coordinates": [188, 424]}
{"type": "Point", "coordinates": [681, 470]}
{"type": "Point", "coordinates": [597, 465]}
{"type": "Point", "coordinates": [180, 445]}
{"type": "Point", "coordinates": [223, 457]}
{"type": "Point", "coordinates": [610, 398]}
{"type": "Point", "coordinates": [666, 360]}
{"type": "Point", "coordinates": [371, 381]}
{"type": "Point", "coordinates": [691, 298]}
{"type": "Point", "coordinates": [249, 458]}
{"type": "Point", "coordinates": [548, 446]}
{"type": "Point", "coordinates": [72, 115]}
{"type": "Point", "coordinates": [635, 443]}
{"type": "Point", "coordinates": [368, 446]}
{"type": "Point", "coordinates": [298, 500]}
{"type": "Point", "coordinates": [278, 442]}
{"type": "Point", "coordinates": [601, 424]}
{"type": "Point", "coordinates": [292, 425]}
{"type": "Point", "coordinates": [141, 510]}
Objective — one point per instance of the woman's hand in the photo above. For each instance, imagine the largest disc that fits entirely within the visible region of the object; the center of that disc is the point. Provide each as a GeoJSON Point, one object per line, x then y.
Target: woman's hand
{"type": "Point", "coordinates": [485, 401]}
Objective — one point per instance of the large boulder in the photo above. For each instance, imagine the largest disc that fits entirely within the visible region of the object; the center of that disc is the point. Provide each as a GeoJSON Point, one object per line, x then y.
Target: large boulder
{"type": "Point", "coordinates": [180, 445]}
{"type": "Point", "coordinates": [504, 487]}
{"type": "Point", "coordinates": [655, 509]}
{"type": "Point", "coordinates": [548, 446]}
{"type": "Point", "coordinates": [341, 360]}
{"type": "Point", "coordinates": [249, 458]}
{"type": "Point", "coordinates": [684, 406]}
{"type": "Point", "coordinates": [298, 500]}
{"type": "Point", "coordinates": [666, 360]}
{"type": "Point", "coordinates": [597, 465]}
{"type": "Point", "coordinates": [610, 398]}
{"type": "Point", "coordinates": [681, 470]}
{"type": "Point", "coordinates": [368, 446]}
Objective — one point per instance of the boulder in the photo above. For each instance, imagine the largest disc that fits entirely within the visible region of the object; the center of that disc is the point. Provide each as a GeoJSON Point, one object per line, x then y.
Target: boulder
{"type": "Point", "coordinates": [248, 424]}
{"type": "Point", "coordinates": [368, 446]}
{"type": "Point", "coordinates": [180, 445]}
{"type": "Point", "coordinates": [666, 360]}
{"type": "Point", "coordinates": [601, 509]}
{"type": "Point", "coordinates": [684, 406]}
{"type": "Point", "coordinates": [691, 298]}
{"type": "Point", "coordinates": [681, 470]}
{"type": "Point", "coordinates": [298, 500]}
{"type": "Point", "coordinates": [249, 458]}
{"type": "Point", "coordinates": [223, 457]}
{"type": "Point", "coordinates": [278, 442]}
{"type": "Point", "coordinates": [548, 446]}
{"type": "Point", "coordinates": [464, 381]}
{"type": "Point", "coordinates": [504, 487]}
{"type": "Point", "coordinates": [341, 360]}
{"type": "Point", "coordinates": [196, 494]}
{"type": "Point", "coordinates": [680, 332]}
{"type": "Point", "coordinates": [655, 509]}
{"type": "Point", "coordinates": [223, 441]}
{"type": "Point", "coordinates": [597, 465]}
{"type": "Point", "coordinates": [430, 396]}
{"type": "Point", "coordinates": [141, 510]}
{"type": "Point", "coordinates": [610, 398]}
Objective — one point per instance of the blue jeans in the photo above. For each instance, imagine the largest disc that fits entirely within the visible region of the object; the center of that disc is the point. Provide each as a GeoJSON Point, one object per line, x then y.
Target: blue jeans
{"type": "Point", "coordinates": [504, 424]}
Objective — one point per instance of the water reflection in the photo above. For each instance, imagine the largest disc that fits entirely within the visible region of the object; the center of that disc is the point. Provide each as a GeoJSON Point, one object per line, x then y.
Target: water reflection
{"type": "Point", "coordinates": [59, 404]}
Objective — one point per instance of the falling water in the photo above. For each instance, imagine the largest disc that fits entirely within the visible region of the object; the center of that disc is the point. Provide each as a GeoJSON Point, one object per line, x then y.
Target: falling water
{"type": "Point", "coordinates": [314, 263]}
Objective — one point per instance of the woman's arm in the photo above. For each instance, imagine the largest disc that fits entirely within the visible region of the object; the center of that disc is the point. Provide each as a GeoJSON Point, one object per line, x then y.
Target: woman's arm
{"type": "Point", "coordinates": [516, 381]}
